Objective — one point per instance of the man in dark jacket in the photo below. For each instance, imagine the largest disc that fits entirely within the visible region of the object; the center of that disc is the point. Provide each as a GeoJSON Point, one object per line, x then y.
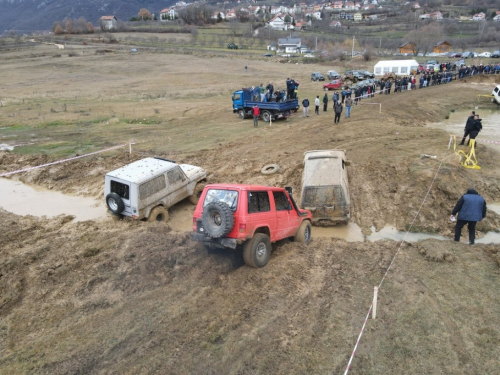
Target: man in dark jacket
{"type": "Point", "coordinates": [338, 111]}
{"type": "Point", "coordinates": [325, 102]}
{"type": "Point", "coordinates": [471, 208]}
{"type": "Point", "coordinates": [469, 125]}
{"type": "Point", "coordinates": [476, 128]}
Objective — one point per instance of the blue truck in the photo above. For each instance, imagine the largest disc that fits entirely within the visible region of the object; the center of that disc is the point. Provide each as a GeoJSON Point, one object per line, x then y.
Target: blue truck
{"type": "Point", "coordinates": [244, 100]}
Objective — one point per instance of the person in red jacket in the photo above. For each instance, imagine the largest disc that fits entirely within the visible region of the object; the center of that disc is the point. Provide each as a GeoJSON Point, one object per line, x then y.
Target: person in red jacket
{"type": "Point", "coordinates": [256, 114]}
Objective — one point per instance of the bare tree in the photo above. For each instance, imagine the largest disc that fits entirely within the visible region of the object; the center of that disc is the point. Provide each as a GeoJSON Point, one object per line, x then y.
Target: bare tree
{"type": "Point", "coordinates": [426, 37]}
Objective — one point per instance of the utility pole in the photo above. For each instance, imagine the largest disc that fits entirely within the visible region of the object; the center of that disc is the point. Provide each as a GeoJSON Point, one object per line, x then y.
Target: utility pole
{"type": "Point", "coordinates": [352, 53]}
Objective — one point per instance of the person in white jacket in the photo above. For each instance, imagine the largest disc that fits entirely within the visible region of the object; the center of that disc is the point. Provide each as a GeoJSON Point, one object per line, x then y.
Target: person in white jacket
{"type": "Point", "coordinates": [316, 105]}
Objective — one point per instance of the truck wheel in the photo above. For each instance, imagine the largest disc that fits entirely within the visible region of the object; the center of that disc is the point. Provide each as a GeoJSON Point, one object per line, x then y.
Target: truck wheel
{"type": "Point", "coordinates": [198, 189]}
{"type": "Point", "coordinates": [256, 252]}
{"type": "Point", "coordinates": [266, 116]}
{"type": "Point", "coordinates": [159, 213]}
{"type": "Point", "coordinates": [217, 219]}
{"type": "Point", "coordinates": [303, 235]}
{"type": "Point", "coordinates": [115, 203]}
{"type": "Point", "coordinates": [241, 114]}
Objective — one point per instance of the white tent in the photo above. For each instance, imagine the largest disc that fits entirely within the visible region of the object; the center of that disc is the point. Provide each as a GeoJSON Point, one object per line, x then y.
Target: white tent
{"type": "Point", "coordinates": [399, 67]}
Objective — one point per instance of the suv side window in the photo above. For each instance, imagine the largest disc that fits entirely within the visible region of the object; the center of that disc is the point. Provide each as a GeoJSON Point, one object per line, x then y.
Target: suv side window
{"type": "Point", "coordinates": [174, 175]}
{"type": "Point", "coordinates": [121, 189]}
{"type": "Point", "coordinates": [281, 201]}
{"type": "Point", "coordinates": [258, 201]}
{"type": "Point", "coordinates": [151, 187]}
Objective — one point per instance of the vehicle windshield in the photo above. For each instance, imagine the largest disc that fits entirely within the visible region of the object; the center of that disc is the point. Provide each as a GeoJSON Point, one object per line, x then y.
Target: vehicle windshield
{"type": "Point", "coordinates": [229, 197]}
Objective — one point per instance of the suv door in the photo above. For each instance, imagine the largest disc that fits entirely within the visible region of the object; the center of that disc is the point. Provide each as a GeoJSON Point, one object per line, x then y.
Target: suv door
{"type": "Point", "coordinates": [285, 220]}
{"type": "Point", "coordinates": [176, 185]}
{"type": "Point", "coordinates": [260, 212]}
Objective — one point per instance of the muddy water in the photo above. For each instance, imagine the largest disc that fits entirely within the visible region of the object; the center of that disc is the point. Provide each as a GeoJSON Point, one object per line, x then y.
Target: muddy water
{"type": "Point", "coordinates": [495, 207]}
{"type": "Point", "coordinates": [491, 124]}
{"type": "Point", "coordinates": [350, 232]}
{"type": "Point", "coordinates": [391, 233]}
{"type": "Point", "coordinates": [22, 199]}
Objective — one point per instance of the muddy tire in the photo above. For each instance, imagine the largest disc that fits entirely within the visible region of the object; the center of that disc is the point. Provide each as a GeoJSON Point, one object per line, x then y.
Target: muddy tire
{"type": "Point", "coordinates": [159, 213]}
{"type": "Point", "coordinates": [115, 203]}
{"type": "Point", "coordinates": [257, 251]}
{"type": "Point", "coordinates": [241, 114]}
{"type": "Point", "coordinates": [196, 193]}
{"type": "Point", "coordinates": [303, 235]}
{"type": "Point", "coordinates": [266, 116]}
{"type": "Point", "coordinates": [217, 219]}
{"type": "Point", "coordinates": [270, 169]}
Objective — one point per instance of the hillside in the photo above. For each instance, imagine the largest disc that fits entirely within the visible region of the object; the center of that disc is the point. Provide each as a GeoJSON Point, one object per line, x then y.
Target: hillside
{"type": "Point", "coordinates": [25, 16]}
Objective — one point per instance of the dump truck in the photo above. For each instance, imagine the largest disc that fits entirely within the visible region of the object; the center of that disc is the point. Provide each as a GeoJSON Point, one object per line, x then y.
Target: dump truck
{"type": "Point", "coordinates": [245, 99]}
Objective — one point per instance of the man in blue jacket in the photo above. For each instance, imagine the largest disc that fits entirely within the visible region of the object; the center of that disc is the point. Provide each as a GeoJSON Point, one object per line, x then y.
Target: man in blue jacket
{"type": "Point", "coordinates": [471, 208]}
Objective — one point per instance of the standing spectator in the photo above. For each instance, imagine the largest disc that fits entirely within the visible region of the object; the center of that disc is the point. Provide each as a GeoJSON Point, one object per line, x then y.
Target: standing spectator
{"type": "Point", "coordinates": [471, 208]}
{"type": "Point", "coordinates": [256, 114]}
{"type": "Point", "coordinates": [325, 102]}
{"type": "Point", "coordinates": [469, 125]}
{"type": "Point", "coordinates": [343, 94]}
{"type": "Point", "coordinates": [246, 68]}
{"type": "Point", "coordinates": [316, 105]}
{"type": "Point", "coordinates": [409, 83]}
{"type": "Point", "coordinates": [295, 89]}
{"type": "Point", "coordinates": [270, 90]}
{"type": "Point", "coordinates": [262, 92]}
{"type": "Point", "coordinates": [476, 128]}
{"type": "Point", "coordinates": [335, 97]}
{"type": "Point", "coordinates": [305, 105]}
{"type": "Point", "coordinates": [348, 105]}
{"type": "Point", "coordinates": [338, 111]}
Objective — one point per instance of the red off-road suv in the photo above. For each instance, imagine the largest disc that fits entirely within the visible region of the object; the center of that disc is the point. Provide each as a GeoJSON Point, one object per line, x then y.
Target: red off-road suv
{"type": "Point", "coordinates": [230, 215]}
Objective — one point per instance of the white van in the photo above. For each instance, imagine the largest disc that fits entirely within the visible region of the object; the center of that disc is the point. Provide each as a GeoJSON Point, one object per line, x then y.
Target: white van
{"type": "Point", "coordinates": [325, 187]}
{"type": "Point", "coordinates": [496, 95]}
{"type": "Point", "coordinates": [146, 188]}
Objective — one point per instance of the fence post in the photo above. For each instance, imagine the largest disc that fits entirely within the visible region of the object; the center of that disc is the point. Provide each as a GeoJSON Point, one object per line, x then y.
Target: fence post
{"type": "Point", "coordinates": [374, 307]}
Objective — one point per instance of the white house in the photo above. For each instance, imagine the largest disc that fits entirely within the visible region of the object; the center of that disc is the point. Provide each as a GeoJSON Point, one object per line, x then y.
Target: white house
{"type": "Point", "coordinates": [479, 17]}
{"type": "Point", "coordinates": [496, 18]}
{"type": "Point", "coordinates": [108, 22]}
{"type": "Point", "coordinates": [278, 22]}
{"type": "Point", "coordinates": [168, 14]}
{"type": "Point", "coordinates": [289, 45]}
{"type": "Point", "coordinates": [399, 67]}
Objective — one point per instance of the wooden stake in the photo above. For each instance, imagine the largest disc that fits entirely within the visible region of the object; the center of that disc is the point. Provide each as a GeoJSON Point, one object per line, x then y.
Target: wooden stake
{"type": "Point", "coordinates": [374, 306]}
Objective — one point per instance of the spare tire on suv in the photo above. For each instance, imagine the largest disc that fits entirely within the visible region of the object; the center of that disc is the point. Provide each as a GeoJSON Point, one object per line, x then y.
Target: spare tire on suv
{"type": "Point", "coordinates": [217, 219]}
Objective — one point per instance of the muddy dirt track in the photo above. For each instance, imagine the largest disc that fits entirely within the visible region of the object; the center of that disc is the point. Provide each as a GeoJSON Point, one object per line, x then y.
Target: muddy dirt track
{"type": "Point", "coordinates": [103, 297]}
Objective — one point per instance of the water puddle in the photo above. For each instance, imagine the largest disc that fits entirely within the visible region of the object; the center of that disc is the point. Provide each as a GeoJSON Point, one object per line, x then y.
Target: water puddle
{"type": "Point", "coordinates": [350, 232]}
{"type": "Point", "coordinates": [490, 120]}
{"type": "Point", "coordinates": [22, 199]}
{"type": "Point", "coordinates": [495, 207]}
{"type": "Point", "coordinates": [391, 233]}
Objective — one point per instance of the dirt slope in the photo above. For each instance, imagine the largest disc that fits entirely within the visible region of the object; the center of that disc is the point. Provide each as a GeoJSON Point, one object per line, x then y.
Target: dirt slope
{"type": "Point", "coordinates": [132, 297]}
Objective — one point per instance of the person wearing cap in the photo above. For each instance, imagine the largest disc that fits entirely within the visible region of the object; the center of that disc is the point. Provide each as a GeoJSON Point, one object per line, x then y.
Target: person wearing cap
{"type": "Point", "coordinates": [469, 126]}
{"type": "Point", "coordinates": [471, 208]}
{"type": "Point", "coordinates": [256, 114]}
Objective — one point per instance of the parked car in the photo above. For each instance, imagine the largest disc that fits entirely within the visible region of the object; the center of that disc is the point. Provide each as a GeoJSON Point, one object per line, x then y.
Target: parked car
{"type": "Point", "coordinates": [467, 55]}
{"type": "Point", "coordinates": [309, 55]}
{"type": "Point", "coordinates": [495, 54]}
{"type": "Point", "coordinates": [317, 76]}
{"type": "Point", "coordinates": [333, 74]}
{"type": "Point", "coordinates": [334, 84]}
{"type": "Point", "coordinates": [366, 74]}
{"type": "Point", "coordinates": [431, 62]}
{"type": "Point", "coordinates": [268, 55]}
{"type": "Point", "coordinates": [231, 215]}
{"type": "Point", "coordinates": [232, 46]}
{"type": "Point", "coordinates": [147, 188]}
{"type": "Point", "coordinates": [485, 54]}
{"type": "Point", "coordinates": [325, 187]}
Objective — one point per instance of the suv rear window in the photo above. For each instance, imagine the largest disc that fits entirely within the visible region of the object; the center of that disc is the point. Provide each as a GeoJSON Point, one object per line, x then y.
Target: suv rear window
{"type": "Point", "coordinates": [121, 189]}
{"type": "Point", "coordinates": [258, 201]}
{"type": "Point", "coordinates": [318, 196]}
{"type": "Point", "coordinates": [229, 197]}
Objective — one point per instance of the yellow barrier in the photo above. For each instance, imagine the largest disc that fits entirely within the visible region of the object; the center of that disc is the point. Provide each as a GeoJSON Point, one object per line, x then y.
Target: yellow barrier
{"type": "Point", "coordinates": [469, 156]}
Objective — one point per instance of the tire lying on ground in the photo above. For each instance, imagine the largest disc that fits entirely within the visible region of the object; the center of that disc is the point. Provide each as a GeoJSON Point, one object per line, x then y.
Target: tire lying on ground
{"type": "Point", "coordinates": [270, 169]}
{"type": "Point", "coordinates": [217, 219]}
{"type": "Point", "coordinates": [115, 203]}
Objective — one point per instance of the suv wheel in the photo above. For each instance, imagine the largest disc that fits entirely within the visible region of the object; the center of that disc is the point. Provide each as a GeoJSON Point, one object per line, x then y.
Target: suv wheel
{"type": "Point", "coordinates": [217, 219]}
{"type": "Point", "coordinates": [115, 203]}
{"type": "Point", "coordinates": [256, 252]}
{"type": "Point", "coordinates": [196, 193]}
{"type": "Point", "coordinates": [159, 213]}
{"type": "Point", "coordinates": [304, 233]}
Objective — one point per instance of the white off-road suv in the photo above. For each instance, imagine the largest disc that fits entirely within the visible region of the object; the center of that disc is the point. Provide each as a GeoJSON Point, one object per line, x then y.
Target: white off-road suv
{"type": "Point", "coordinates": [146, 188]}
